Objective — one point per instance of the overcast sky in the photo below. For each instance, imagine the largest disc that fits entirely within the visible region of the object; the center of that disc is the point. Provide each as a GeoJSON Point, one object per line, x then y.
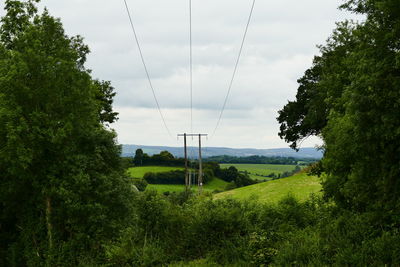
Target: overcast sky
{"type": "Point", "coordinates": [280, 46]}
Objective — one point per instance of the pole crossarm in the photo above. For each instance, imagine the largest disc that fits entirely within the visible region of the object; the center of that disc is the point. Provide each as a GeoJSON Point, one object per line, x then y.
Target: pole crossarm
{"type": "Point", "coordinates": [179, 135]}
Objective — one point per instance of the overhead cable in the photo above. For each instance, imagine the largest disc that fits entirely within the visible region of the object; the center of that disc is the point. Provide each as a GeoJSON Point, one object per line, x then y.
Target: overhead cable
{"type": "Point", "coordinates": [235, 69]}
{"type": "Point", "coordinates": [145, 68]}
{"type": "Point", "coordinates": [191, 67]}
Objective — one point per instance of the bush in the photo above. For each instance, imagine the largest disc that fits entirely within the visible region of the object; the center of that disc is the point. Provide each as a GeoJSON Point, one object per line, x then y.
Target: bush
{"type": "Point", "coordinates": [174, 177]}
{"type": "Point", "coordinates": [140, 184]}
{"type": "Point", "coordinates": [171, 177]}
{"type": "Point", "coordinates": [186, 229]}
{"type": "Point", "coordinates": [230, 186]}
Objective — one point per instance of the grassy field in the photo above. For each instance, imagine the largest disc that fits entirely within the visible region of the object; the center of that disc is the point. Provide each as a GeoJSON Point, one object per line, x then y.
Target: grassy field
{"type": "Point", "coordinates": [256, 170]}
{"type": "Point", "coordinates": [139, 172]}
{"type": "Point", "coordinates": [215, 183]}
{"type": "Point", "coordinates": [300, 186]}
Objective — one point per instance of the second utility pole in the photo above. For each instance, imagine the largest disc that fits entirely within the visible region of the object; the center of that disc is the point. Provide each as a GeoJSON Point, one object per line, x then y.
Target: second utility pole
{"type": "Point", "coordinates": [200, 180]}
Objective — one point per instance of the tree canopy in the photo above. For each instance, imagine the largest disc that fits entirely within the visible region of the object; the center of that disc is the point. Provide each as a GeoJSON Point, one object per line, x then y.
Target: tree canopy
{"type": "Point", "coordinates": [351, 98]}
{"type": "Point", "coordinates": [62, 187]}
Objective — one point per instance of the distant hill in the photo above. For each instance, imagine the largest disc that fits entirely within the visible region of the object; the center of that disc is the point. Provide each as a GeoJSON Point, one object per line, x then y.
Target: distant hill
{"type": "Point", "coordinates": [307, 152]}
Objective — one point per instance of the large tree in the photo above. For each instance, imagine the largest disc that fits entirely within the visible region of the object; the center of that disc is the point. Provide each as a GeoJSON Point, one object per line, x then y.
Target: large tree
{"type": "Point", "coordinates": [63, 192]}
{"type": "Point", "coordinates": [351, 98]}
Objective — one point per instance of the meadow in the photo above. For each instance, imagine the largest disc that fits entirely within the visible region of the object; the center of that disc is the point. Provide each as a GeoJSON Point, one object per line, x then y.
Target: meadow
{"type": "Point", "coordinates": [139, 172]}
{"type": "Point", "coordinates": [214, 184]}
{"type": "Point", "coordinates": [257, 171]}
{"type": "Point", "coordinates": [299, 186]}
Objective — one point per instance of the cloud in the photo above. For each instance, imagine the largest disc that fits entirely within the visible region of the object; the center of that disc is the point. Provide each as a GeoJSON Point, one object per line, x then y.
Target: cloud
{"type": "Point", "coordinates": [280, 46]}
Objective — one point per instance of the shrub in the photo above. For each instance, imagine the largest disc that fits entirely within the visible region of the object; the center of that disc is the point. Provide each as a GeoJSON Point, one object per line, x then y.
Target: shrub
{"type": "Point", "coordinates": [171, 177]}
{"type": "Point", "coordinates": [140, 184]}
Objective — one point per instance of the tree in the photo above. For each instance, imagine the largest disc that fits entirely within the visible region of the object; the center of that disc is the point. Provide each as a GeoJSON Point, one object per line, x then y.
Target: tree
{"type": "Point", "coordinates": [63, 191]}
{"type": "Point", "coordinates": [166, 156]}
{"type": "Point", "coordinates": [138, 159]}
{"type": "Point", "coordinates": [355, 97]}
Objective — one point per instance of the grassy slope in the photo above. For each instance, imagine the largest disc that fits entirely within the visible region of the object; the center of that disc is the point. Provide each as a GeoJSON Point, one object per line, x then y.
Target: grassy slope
{"type": "Point", "coordinates": [263, 169]}
{"type": "Point", "coordinates": [260, 169]}
{"type": "Point", "coordinates": [300, 185]}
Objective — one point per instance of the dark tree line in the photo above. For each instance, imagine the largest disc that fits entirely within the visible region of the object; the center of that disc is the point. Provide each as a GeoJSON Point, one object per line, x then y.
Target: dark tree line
{"type": "Point", "coordinates": [230, 175]}
{"type": "Point", "coordinates": [261, 160]}
{"type": "Point", "coordinates": [171, 177]}
{"type": "Point", "coordinates": [164, 158]}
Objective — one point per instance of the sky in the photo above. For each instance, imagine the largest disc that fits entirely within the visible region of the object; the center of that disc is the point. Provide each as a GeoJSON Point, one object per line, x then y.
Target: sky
{"type": "Point", "coordinates": [281, 42]}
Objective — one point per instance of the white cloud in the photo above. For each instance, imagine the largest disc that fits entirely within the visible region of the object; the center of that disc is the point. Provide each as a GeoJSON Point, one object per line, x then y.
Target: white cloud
{"type": "Point", "coordinates": [280, 46]}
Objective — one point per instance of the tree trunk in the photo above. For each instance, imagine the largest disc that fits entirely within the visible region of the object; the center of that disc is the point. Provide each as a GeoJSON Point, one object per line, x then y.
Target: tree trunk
{"type": "Point", "coordinates": [48, 222]}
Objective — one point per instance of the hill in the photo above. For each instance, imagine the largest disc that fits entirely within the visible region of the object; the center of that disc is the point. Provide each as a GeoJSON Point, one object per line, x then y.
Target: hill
{"type": "Point", "coordinates": [262, 171]}
{"type": "Point", "coordinates": [307, 152]}
{"type": "Point", "coordinates": [300, 185]}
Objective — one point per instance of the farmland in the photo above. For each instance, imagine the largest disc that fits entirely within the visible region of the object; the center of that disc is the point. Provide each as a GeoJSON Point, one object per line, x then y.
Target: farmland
{"type": "Point", "coordinates": [257, 171]}
{"type": "Point", "coordinates": [214, 184]}
{"type": "Point", "coordinates": [300, 186]}
{"type": "Point", "coordinates": [139, 172]}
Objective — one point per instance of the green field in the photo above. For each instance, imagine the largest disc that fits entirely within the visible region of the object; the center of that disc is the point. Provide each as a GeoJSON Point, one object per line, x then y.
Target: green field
{"type": "Point", "coordinates": [139, 172]}
{"type": "Point", "coordinates": [215, 183]}
{"type": "Point", "coordinates": [300, 186]}
{"type": "Point", "coordinates": [257, 170]}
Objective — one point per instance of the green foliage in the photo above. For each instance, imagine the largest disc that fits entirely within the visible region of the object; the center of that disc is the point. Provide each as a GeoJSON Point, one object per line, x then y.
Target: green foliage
{"type": "Point", "coordinates": [233, 176]}
{"type": "Point", "coordinates": [304, 117]}
{"type": "Point", "coordinates": [138, 159]}
{"type": "Point", "coordinates": [350, 97]}
{"type": "Point", "coordinates": [65, 199]}
{"type": "Point", "coordinates": [171, 177]}
{"type": "Point", "coordinates": [232, 233]}
{"type": "Point", "coordinates": [346, 239]}
{"type": "Point", "coordinates": [140, 184]}
{"type": "Point", "coordinates": [211, 186]}
{"type": "Point", "coordinates": [165, 158]}
{"type": "Point", "coordinates": [63, 192]}
{"type": "Point", "coordinates": [259, 160]}
{"type": "Point", "coordinates": [199, 228]}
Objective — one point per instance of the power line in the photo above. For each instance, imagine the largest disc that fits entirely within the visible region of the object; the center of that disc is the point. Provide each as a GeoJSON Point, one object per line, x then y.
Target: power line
{"type": "Point", "coordinates": [145, 68]}
{"type": "Point", "coordinates": [191, 66]}
{"type": "Point", "coordinates": [235, 69]}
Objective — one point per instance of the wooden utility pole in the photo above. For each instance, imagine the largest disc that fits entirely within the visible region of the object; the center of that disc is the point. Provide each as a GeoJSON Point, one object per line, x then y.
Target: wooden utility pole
{"type": "Point", "coordinates": [186, 166]}
{"type": "Point", "coordinates": [200, 176]}
{"type": "Point", "coordinates": [200, 180]}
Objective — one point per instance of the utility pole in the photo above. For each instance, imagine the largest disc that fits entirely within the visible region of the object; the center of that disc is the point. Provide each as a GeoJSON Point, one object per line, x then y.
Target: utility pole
{"type": "Point", "coordinates": [200, 176]}
{"type": "Point", "coordinates": [200, 179]}
{"type": "Point", "coordinates": [186, 167]}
